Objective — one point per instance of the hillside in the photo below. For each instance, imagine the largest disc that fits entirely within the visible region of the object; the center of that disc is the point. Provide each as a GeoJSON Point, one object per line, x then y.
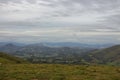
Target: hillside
{"type": "Point", "coordinates": [105, 56]}
{"type": "Point", "coordinates": [8, 59]}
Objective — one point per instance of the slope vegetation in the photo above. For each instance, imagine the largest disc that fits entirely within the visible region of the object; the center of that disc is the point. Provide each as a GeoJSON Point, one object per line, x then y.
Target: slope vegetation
{"type": "Point", "coordinates": [105, 56]}
{"type": "Point", "coordinates": [8, 59]}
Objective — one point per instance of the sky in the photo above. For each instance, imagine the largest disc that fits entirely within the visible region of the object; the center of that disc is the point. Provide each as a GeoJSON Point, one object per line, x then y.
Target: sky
{"type": "Point", "coordinates": [84, 21]}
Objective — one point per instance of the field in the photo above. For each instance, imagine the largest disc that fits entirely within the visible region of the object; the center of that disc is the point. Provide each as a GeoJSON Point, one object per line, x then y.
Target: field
{"type": "Point", "coordinates": [58, 72]}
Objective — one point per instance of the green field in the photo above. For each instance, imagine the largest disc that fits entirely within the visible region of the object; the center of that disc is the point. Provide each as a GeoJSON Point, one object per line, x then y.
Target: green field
{"type": "Point", "coordinates": [58, 72]}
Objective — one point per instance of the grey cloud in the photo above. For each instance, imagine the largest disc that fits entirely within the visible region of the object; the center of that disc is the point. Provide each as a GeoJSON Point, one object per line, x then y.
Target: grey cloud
{"type": "Point", "coordinates": [74, 16]}
{"type": "Point", "coordinates": [97, 6]}
{"type": "Point", "coordinates": [6, 1]}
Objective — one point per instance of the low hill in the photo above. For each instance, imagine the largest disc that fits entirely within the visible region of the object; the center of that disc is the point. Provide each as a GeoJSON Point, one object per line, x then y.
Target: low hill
{"type": "Point", "coordinates": [105, 56]}
{"type": "Point", "coordinates": [6, 59]}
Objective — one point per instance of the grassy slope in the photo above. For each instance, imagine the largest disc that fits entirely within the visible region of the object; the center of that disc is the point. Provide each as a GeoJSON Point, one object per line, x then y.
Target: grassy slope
{"type": "Point", "coordinates": [8, 59]}
{"type": "Point", "coordinates": [58, 72]}
{"type": "Point", "coordinates": [106, 56]}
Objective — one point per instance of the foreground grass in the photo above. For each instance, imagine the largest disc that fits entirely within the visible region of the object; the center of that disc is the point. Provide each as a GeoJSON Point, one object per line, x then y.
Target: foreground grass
{"type": "Point", "coordinates": [58, 72]}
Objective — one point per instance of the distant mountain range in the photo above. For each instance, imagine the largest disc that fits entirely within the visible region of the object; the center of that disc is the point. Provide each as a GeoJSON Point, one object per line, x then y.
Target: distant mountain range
{"type": "Point", "coordinates": [38, 53]}
{"type": "Point", "coordinates": [62, 44]}
{"type": "Point", "coordinates": [51, 53]}
{"type": "Point", "coordinates": [75, 44]}
{"type": "Point", "coordinates": [14, 43]}
{"type": "Point", "coordinates": [9, 48]}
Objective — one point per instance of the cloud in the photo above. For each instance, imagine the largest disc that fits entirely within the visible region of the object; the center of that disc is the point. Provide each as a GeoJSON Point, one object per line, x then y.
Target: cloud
{"type": "Point", "coordinates": [60, 20]}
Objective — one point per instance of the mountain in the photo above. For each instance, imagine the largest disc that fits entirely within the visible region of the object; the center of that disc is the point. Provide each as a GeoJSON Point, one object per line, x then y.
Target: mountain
{"type": "Point", "coordinates": [41, 49]}
{"type": "Point", "coordinates": [109, 55]}
{"type": "Point", "coordinates": [14, 43]}
{"type": "Point", "coordinates": [8, 59]}
{"type": "Point", "coordinates": [76, 44]}
{"type": "Point", "coordinates": [42, 53]}
{"type": "Point", "coordinates": [63, 44]}
{"type": "Point", "coordinates": [9, 48]}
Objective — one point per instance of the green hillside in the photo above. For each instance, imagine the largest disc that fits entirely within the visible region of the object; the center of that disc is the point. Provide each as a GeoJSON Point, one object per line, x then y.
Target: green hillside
{"type": "Point", "coordinates": [8, 59]}
{"type": "Point", "coordinates": [105, 56]}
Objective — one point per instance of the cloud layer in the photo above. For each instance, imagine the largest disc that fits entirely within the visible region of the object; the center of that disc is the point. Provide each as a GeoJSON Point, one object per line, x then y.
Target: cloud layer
{"type": "Point", "coordinates": [88, 21]}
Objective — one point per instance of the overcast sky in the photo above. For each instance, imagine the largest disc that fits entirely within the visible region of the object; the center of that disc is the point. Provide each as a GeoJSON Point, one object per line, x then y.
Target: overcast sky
{"type": "Point", "coordinates": [84, 21]}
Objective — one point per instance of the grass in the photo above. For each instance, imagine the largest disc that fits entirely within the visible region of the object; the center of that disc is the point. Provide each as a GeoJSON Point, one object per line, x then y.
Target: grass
{"type": "Point", "coordinates": [58, 72]}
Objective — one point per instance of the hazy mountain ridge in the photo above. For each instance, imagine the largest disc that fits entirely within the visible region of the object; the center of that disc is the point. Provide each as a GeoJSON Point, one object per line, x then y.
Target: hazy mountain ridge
{"type": "Point", "coordinates": [62, 44]}
{"type": "Point", "coordinates": [9, 48]}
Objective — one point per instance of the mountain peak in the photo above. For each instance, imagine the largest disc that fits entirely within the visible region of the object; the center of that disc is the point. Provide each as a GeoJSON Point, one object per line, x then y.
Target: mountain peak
{"type": "Point", "coordinates": [10, 45]}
